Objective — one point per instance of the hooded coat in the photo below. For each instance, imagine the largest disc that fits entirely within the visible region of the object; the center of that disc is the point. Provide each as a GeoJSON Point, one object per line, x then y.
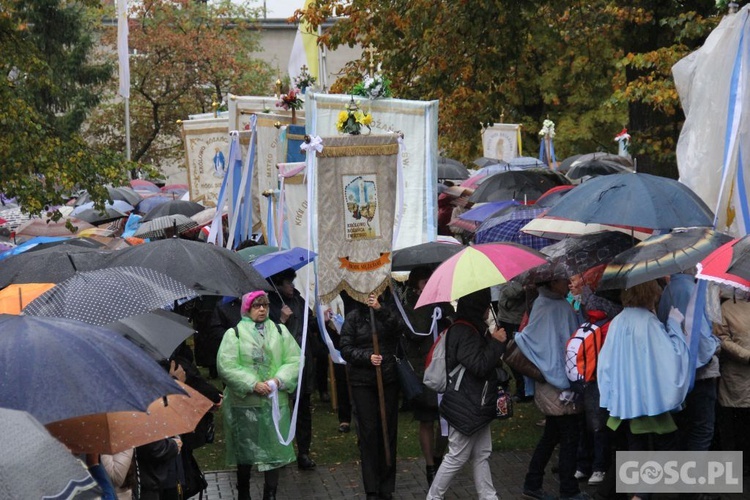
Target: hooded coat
{"type": "Point", "coordinates": [469, 345]}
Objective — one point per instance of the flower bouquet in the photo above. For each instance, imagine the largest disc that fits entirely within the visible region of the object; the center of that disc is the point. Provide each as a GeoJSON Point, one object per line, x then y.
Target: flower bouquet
{"type": "Point", "coordinates": [373, 87]}
{"type": "Point", "coordinates": [290, 101]}
{"type": "Point", "coordinates": [352, 119]}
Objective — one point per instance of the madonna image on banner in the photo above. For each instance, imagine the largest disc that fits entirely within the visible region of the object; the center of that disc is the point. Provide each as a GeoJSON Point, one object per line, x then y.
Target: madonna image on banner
{"type": "Point", "coordinates": [361, 207]}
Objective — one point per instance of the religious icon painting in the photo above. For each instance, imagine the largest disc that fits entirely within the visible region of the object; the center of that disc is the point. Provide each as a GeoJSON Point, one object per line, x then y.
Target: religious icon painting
{"type": "Point", "coordinates": [361, 203]}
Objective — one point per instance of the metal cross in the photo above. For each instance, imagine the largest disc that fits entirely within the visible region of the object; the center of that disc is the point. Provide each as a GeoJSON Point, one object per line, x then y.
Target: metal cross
{"type": "Point", "coordinates": [372, 51]}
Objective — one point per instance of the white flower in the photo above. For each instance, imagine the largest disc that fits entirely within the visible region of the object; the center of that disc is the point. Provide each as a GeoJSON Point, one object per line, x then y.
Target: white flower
{"type": "Point", "coordinates": [548, 129]}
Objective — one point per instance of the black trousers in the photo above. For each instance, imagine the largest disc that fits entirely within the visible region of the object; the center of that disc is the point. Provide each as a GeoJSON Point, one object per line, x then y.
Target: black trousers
{"type": "Point", "coordinates": [376, 476]}
{"type": "Point", "coordinates": [303, 433]}
{"type": "Point", "coordinates": [342, 393]}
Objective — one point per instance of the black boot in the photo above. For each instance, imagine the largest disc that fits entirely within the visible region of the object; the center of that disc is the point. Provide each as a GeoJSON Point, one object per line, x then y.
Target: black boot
{"type": "Point", "coordinates": [243, 481]}
{"type": "Point", "coordinates": [269, 492]}
{"type": "Point", "coordinates": [430, 471]}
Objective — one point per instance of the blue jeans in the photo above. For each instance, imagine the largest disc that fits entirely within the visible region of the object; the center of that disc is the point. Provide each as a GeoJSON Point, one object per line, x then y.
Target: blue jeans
{"type": "Point", "coordinates": [563, 429]}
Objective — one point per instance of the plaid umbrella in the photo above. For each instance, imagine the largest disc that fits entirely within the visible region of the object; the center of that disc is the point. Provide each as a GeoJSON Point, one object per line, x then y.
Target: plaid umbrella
{"type": "Point", "coordinates": [159, 227]}
{"type": "Point", "coordinates": [507, 228]}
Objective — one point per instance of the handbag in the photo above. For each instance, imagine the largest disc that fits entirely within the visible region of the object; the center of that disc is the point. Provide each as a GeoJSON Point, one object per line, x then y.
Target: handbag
{"type": "Point", "coordinates": [411, 385]}
{"type": "Point", "coordinates": [504, 405]}
{"type": "Point", "coordinates": [518, 361]}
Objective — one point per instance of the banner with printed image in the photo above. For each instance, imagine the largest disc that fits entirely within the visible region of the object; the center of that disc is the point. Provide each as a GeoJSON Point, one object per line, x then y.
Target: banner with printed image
{"type": "Point", "coordinates": [206, 149]}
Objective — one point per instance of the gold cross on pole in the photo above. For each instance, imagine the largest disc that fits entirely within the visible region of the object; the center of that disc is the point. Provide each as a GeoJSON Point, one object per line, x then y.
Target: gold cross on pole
{"type": "Point", "coordinates": [372, 52]}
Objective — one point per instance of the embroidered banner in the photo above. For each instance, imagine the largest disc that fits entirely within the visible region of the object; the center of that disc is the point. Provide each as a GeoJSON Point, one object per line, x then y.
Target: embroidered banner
{"type": "Point", "coordinates": [206, 149]}
{"type": "Point", "coordinates": [501, 141]}
{"type": "Point", "coordinates": [418, 121]}
{"type": "Point", "coordinates": [356, 180]}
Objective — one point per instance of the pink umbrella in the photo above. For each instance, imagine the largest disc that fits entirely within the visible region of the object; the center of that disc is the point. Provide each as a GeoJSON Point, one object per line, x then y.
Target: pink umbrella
{"type": "Point", "coordinates": [478, 267]}
{"type": "Point", "coordinates": [144, 185]}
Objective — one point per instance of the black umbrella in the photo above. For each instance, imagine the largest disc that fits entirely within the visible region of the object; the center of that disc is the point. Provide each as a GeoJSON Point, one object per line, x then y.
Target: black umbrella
{"type": "Point", "coordinates": [94, 216]}
{"type": "Point", "coordinates": [123, 193]}
{"type": "Point", "coordinates": [107, 295]}
{"type": "Point", "coordinates": [448, 168]}
{"type": "Point", "coordinates": [207, 269]}
{"type": "Point", "coordinates": [424, 254]}
{"type": "Point", "coordinates": [577, 254]}
{"type": "Point", "coordinates": [51, 265]}
{"type": "Point", "coordinates": [592, 168]}
{"type": "Point", "coordinates": [660, 256]}
{"type": "Point", "coordinates": [518, 185]}
{"type": "Point", "coordinates": [174, 207]}
{"type": "Point", "coordinates": [158, 332]}
{"type": "Point", "coordinates": [565, 165]}
{"type": "Point", "coordinates": [622, 160]}
{"type": "Point", "coordinates": [165, 226]}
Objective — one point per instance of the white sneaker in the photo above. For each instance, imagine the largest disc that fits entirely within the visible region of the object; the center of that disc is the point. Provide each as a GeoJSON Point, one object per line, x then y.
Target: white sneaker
{"type": "Point", "coordinates": [596, 478]}
{"type": "Point", "coordinates": [580, 476]}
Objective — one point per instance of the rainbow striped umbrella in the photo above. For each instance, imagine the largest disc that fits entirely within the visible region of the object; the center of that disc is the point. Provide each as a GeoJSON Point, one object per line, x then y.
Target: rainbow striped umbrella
{"type": "Point", "coordinates": [478, 267]}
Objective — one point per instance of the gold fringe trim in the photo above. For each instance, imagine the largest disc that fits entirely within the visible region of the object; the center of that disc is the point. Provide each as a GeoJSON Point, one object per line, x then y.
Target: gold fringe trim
{"type": "Point", "coordinates": [363, 150]}
{"type": "Point", "coordinates": [355, 294]}
{"type": "Point", "coordinates": [295, 137]}
{"type": "Point", "coordinates": [201, 131]}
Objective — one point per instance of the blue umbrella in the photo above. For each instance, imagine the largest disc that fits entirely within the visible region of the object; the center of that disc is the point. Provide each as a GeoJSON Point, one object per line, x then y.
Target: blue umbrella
{"type": "Point", "coordinates": [635, 200]}
{"type": "Point", "coordinates": [273, 263]}
{"type": "Point", "coordinates": [507, 228]}
{"type": "Point", "coordinates": [56, 368]}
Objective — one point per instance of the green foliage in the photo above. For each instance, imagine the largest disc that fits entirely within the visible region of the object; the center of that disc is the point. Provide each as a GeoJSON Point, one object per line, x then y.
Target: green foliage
{"type": "Point", "coordinates": [49, 89]}
{"type": "Point", "coordinates": [186, 55]}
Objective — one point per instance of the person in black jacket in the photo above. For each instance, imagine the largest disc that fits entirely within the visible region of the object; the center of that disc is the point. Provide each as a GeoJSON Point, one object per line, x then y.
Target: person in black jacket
{"type": "Point", "coordinates": [357, 349]}
{"type": "Point", "coordinates": [469, 416]}
{"type": "Point", "coordinates": [160, 470]}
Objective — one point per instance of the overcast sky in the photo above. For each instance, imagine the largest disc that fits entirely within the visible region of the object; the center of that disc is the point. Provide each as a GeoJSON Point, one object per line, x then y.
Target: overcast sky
{"type": "Point", "coordinates": [281, 8]}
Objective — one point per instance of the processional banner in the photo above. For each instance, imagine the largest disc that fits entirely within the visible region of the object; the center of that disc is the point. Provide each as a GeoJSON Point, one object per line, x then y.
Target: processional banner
{"type": "Point", "coordinates": [502, 141]}
{"type": "Point", "coordinates": [356, 206]}
{"type": "Point", "coordinates": [206, 145]}
{"type": "Point", "coordinates": [417, 120]}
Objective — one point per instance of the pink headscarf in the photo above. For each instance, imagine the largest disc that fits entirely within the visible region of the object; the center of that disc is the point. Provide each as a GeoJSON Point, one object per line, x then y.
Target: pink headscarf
{"type": "Point", "coordinates": [248, 299]}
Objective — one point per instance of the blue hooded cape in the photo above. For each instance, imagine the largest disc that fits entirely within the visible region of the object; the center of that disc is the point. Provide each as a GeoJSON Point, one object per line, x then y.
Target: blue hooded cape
{"type": "Point", "coordinates": [551, 323]}
{"type": "Point", "coordinates": [643, 367]}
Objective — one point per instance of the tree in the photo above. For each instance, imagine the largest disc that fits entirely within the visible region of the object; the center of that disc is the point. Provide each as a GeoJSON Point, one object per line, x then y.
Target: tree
{"type": "Point", "coordinates": [50, 85]}
{"type": "Point", "coordinates": [590, 66]}
{"type": "Point", "coordinates": [185, 55]}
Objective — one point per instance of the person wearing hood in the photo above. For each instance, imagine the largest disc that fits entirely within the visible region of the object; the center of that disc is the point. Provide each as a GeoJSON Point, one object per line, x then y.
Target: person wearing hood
{"type": "Point", "coordinates": [468, 343]}
{"type": "Point", "coordinates": [543, 340]}
{"type": "Point", "coordinates": [258, 360]}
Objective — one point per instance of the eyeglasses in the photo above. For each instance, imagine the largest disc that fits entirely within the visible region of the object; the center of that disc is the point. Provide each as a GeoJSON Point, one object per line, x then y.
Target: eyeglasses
{"type": "Point", "coordinates": [258, 305]}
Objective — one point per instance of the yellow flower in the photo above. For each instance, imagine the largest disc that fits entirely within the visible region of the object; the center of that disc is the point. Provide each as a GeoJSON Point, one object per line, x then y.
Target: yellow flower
{"type": "Point", "coordinates": [367, 119]}
{"type": "Point", "coordinates": [359, 116]}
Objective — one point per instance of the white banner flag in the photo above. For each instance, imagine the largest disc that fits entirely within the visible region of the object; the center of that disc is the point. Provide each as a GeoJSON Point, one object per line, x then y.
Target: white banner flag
{"type": "Point", "coordinates": [500, 141]}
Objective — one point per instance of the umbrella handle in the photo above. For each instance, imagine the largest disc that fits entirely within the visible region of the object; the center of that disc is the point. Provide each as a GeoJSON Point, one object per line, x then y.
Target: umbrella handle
{"type": "Point", "coordinates": [277, 292]}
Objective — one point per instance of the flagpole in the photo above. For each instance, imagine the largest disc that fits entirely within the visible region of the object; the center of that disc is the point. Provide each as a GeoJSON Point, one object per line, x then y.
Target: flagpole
{"type": "Point", "coordinates": [127, 128]}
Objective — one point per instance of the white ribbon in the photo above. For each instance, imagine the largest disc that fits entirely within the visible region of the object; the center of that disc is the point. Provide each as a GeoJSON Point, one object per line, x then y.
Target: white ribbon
{"type": "Point", "coordinates": [315, 144]}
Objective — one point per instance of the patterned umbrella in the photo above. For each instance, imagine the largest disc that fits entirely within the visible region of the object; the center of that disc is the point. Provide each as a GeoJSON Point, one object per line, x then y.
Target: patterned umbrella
{"type": "Point", "coordinates": [118, 431]}
{"type": "Point", "coordinates": [475, 268]}
{"type": "Point", "coordinates": [27, 446]}
{"type": "Point", "coordinates": [106, 295]}
{"type": "Point", "coordinates": [661, 255]}
{"type": "Point", "coordinates": [507, 227]}
{"type": "Point", "coordinates": [57, 368]}
{"type": "Point", "coordinates": [165, 227]}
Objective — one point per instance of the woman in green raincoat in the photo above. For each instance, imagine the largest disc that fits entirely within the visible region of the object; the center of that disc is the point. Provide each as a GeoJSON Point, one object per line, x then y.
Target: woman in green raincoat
{"type": "Point", "coordinates": [257, 361]}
